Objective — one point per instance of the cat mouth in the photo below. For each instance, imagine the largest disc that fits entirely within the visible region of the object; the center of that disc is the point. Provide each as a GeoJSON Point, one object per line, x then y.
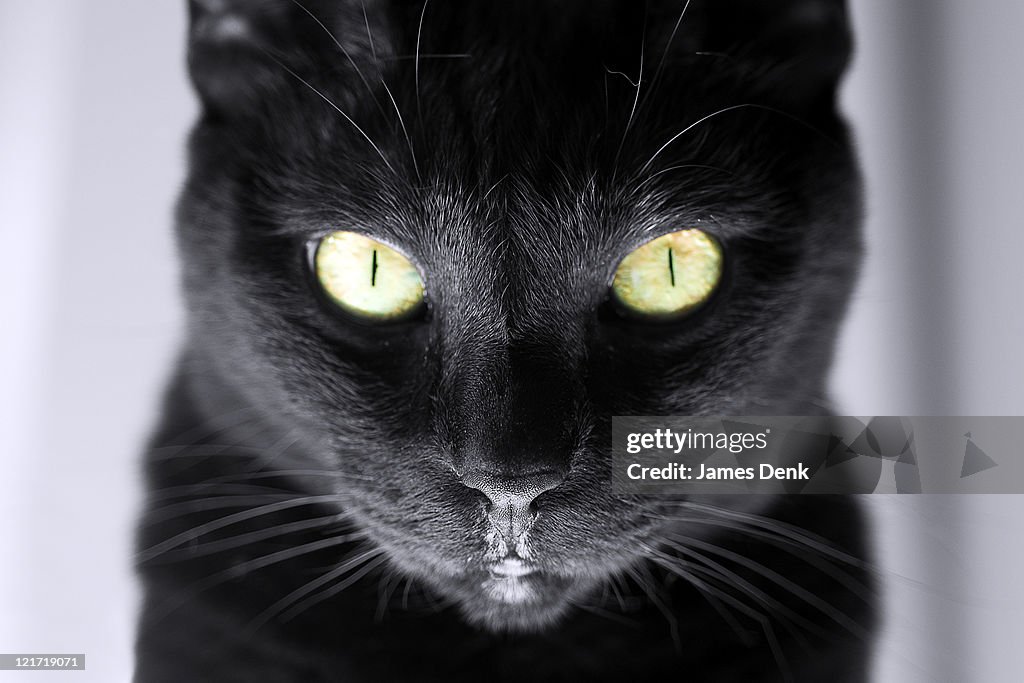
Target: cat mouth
{"type": "Point", "coordinates": [514, 583]}
{"type": "Point", "coordinates": [513, 595]}
{"type": "Point", "coordinates": [512, 567]}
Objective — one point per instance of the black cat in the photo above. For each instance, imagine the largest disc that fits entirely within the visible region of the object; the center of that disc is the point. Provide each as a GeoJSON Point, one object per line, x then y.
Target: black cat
{"type": "Point", "coordinates": [429, 250]}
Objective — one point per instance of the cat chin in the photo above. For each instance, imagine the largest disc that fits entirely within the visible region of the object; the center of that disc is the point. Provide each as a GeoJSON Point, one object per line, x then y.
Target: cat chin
{"type": "Point", "coordinates": [499, 618]}
{"type": "Point", "coordinates": [519, 605]}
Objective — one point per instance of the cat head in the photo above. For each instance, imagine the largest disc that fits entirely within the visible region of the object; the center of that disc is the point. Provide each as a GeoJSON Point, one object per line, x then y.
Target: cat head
{"type": "Point", "coordinates": [512, 155]}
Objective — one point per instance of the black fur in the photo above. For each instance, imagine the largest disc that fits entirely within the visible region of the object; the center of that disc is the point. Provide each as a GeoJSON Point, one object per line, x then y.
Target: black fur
{"type": "Point", "coordinates": [517, 152]}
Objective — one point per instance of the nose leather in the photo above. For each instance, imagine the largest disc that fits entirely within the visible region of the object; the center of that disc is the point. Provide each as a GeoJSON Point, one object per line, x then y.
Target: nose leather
{"type": "Point", "coordinates": [511, 497]}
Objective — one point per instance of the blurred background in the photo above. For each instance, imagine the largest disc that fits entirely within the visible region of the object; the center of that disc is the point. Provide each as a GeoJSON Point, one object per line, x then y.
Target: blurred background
{"type": "Point", "coordinates": [94, 107]}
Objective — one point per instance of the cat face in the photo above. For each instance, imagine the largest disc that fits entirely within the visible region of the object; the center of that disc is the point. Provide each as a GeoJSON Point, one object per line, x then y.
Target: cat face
{"type": "Point", "coordinates": [515, 157]}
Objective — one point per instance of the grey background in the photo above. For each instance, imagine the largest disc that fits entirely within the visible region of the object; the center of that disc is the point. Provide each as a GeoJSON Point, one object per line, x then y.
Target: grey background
{"type": "Point", "coordinates": [93, 110]}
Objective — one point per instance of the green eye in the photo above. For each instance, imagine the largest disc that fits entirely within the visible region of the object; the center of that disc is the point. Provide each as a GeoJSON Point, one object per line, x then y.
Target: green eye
{"type": "Point", "coordinates": [669, 276]}
{"type": "Point", "coordinates": [367, 278]}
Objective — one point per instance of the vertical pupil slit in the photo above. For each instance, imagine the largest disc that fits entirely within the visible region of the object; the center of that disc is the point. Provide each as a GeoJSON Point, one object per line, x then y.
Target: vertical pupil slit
{"type": "Point", "coordinates": [671, 268]}
{"type": "Point", "coordinates": [373, 270]}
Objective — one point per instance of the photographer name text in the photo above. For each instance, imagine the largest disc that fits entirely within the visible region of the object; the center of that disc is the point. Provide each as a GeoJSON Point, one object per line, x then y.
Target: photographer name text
{"type": "Point", "coordinates": [677, 472]}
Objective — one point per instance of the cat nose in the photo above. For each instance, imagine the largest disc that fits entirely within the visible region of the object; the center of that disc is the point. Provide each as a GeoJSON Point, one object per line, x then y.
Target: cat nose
{"type": "Point", "coordinates": [503, 491]}
{"type": "Point", "coordinates": [511, 497]}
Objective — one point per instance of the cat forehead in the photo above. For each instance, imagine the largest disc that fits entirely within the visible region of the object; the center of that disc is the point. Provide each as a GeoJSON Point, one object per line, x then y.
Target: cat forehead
{"type": "Point", "coordinates": [548, 122]}
{"type": "Point", "coordinates": [240, 50]}
{"type": "Point", "coordinates": [493, 221]}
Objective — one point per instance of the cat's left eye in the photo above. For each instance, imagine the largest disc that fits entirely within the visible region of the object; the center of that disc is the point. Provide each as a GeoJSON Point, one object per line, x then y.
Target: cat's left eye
{"type": "Point", "coordinates": [368, 279]}
{"type": "Point", "coordinates": [668, 277]}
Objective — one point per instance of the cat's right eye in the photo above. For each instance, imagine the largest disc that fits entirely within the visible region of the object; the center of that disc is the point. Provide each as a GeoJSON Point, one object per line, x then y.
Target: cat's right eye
{"type": "Point", "coordinates": [368, 279]}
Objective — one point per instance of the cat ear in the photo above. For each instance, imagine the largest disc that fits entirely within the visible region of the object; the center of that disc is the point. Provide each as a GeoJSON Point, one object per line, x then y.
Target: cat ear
{"type": "Point", "coordinates": [241, 50]}
{"type": "Point", "coordinates": [804, 44]}
{"type": "Point", "coordinates": [232, 47]}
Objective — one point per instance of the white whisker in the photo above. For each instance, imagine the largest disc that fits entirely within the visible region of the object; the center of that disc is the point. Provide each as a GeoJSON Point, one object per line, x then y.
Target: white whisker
{"type": "Point", "coordinates": [196, 532]}
{"type": "Point", "coordinates": [337, 109]}
{"type": "Point", "coordinates": [419, 36]}
{"type": "Point", "coordinates": [182, 596]}
{"type": "Point", "coordinates": [297, 594]}
{"type": "Point", "coordinates": [371, 564]}
{"type": "Point", "coordinates": [220, 545]}
{"type": "Point", "coordinates": [690, 127]}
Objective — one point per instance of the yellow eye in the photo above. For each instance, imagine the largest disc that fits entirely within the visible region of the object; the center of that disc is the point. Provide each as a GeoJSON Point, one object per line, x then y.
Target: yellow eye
{"type": "Point", "coordinates": [367, 278]}
{"type": "Point", "coordinates": [669, 276]}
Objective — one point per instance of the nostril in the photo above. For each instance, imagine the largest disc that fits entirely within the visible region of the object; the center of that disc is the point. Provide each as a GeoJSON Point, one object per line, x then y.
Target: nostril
{"type": "Point", "coordinates": [532, 507]}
